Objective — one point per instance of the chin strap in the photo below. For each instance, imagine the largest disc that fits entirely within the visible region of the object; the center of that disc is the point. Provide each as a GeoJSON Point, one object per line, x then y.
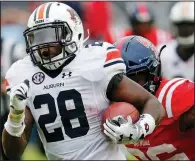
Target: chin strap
{"type": "Point", "coordinates": [161, 49]}
{"type": "Point", "coordinates": [153, 85]}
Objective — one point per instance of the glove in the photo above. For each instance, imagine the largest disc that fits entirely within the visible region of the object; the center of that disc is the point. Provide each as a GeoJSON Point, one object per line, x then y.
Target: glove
{"type": "Point", "coordinates": [123, 131]}
{"type": "Point", "coordinates": [18, 97]}
{"type": "Point", "coordinates": [18, 100]}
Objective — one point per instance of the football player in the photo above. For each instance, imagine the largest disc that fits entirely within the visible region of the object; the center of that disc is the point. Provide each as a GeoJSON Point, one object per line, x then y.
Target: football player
{"type": "Point", "coordinates": [142, 20]}
{"type": "Point", "coordinates": [178, 57]}
{"type": "Point", "coordinates": [173, 138]}
{"type": "Point", "coordinates": [63, 87]}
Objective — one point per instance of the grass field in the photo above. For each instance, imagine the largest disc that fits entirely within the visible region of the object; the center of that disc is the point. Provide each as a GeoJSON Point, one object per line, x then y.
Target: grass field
{"type": "Point", "coordinates": [32, 153]}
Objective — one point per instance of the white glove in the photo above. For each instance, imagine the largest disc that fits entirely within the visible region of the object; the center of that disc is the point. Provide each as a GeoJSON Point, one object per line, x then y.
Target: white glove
{"type": "Point", "coordinates": [123, 131]}
{"type": "Point", "coordinates": [18, 97]}
{"type": "Point", "coordinates": [18, 100]}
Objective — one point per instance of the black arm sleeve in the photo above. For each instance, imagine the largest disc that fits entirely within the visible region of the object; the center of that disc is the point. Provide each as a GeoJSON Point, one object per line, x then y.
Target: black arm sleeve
{"type": "Point", "coordinates": [116, 79]}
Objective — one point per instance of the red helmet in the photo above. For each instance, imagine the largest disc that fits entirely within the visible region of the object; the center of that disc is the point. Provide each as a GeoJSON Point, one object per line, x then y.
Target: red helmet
{"type": "Point", "coordinates": [141, 13]}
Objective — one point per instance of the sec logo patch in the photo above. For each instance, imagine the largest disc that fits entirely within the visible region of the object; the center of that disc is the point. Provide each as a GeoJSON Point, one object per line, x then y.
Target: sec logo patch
{"type": "Point", "coordinates": [38, 78]}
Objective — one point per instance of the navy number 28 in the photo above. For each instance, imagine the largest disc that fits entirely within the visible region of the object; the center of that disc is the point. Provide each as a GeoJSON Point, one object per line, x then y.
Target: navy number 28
{"type": "Point", "coordinates": [66, 115]}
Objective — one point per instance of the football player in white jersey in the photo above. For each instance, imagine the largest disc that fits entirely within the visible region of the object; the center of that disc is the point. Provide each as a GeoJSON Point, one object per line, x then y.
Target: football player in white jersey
{"type": "Point", "coordinates": [63, 87]}
{"type": "Point", "coordinates": [178, 56]}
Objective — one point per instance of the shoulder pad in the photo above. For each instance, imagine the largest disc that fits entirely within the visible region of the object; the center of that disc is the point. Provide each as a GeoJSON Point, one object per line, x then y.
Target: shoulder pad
{"type": "Point", "coordinates": [94, 75]}
{"type": "Point", "coordinates": [177, 96]}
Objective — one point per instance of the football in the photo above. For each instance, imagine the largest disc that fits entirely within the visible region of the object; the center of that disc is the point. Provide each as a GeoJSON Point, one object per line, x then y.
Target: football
{"type": "Point", "coordinates": [120, 108]}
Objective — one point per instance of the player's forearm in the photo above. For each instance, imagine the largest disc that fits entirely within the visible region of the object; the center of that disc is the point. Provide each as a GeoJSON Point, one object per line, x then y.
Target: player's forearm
{"type": "Point", "coordinates": [13, 146]}
{"type": "Point", "coordinates": [129, 91]}
{"type": "Point", "coordinates": [18, 126]}
{"type": "Point", "coordinates": [154, 108]}
{"type": "Point", "coordinates": [16, 133]}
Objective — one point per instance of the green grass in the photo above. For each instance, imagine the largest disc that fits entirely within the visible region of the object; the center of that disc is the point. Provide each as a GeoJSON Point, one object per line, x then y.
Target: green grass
{"type": "Point", "coordinates": [131, 157]}
{"type": "Point", "coordinates": [32, 152]}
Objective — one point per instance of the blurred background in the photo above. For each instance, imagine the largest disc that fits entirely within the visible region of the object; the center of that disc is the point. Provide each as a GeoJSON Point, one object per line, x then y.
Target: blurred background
{"type": "Point", "coordinates": [106, 21]}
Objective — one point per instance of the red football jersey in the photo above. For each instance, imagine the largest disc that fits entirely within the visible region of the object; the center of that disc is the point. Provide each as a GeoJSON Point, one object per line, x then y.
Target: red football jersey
{"type": "Point", "coordinates": [167, 142]}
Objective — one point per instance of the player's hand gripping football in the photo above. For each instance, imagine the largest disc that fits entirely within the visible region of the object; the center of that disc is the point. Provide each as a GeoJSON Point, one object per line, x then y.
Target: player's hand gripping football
{"type": "Point", "coordinates": [18, 100]}
{"type": "Point", "coordinates": [123, 131]}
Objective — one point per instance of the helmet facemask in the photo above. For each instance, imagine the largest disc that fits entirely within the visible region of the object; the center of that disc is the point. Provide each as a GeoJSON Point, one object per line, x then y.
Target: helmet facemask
{"type": "Point", "coordinates": [147, 73]}
{"type": "Point", "coordinates": [184, 33]}
{"type": "Point", "coordinates": [44, 36]}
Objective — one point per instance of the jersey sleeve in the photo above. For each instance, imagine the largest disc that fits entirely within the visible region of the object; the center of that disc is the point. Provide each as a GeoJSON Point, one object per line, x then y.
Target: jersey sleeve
{"type": "Point", "coordinates": [179, 98]}
{"type": "Point", "coordinates": [12, 77]}
{"type": "Point", "coordinates": [113, 64]}
{"type": "Point", "coordinates": [183, 98]}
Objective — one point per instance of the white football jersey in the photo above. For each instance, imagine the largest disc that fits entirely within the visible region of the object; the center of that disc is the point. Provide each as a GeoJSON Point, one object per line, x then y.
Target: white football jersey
{"type": "Point", "coordinates": [67, 108]}
{"type": "Point", "coordinates": [173, 66]}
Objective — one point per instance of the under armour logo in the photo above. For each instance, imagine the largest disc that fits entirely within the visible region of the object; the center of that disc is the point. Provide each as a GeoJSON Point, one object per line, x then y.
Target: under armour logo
{"type": "Point", "coordinates": [130, 136]}
{"type": "Point", "coordinates": [121, 138]}
{"type": "Point", "coordinates": [66, 74]}
{"type": "Point", "coordinates": [146, 127]}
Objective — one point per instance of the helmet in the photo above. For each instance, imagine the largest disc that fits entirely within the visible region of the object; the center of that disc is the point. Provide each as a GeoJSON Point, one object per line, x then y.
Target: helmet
{"type": "Point", "coordinates": [140, 55]}
{"type": "Point", "coordinates": [141, 13]}
{"type": "Point", "coordinates": [53, 24]}
{"type": "Point", "coordinates": [182, 13]}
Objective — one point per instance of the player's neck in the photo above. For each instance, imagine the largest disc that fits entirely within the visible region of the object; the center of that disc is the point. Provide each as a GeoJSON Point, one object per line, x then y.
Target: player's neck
{"type": "Point", "coordinates": [185, 52]}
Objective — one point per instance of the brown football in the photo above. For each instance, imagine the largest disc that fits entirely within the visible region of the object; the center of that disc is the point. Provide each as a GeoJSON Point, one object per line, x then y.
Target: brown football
{"type": "Point", "coordinates": [121, 108]}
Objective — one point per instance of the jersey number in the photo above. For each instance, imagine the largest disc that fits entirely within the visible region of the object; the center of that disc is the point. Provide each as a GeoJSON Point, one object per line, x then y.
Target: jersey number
{"type": "Point", "coordinates": [67, 116]}
{"type": "Point", "coordinates": [152, 152]}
